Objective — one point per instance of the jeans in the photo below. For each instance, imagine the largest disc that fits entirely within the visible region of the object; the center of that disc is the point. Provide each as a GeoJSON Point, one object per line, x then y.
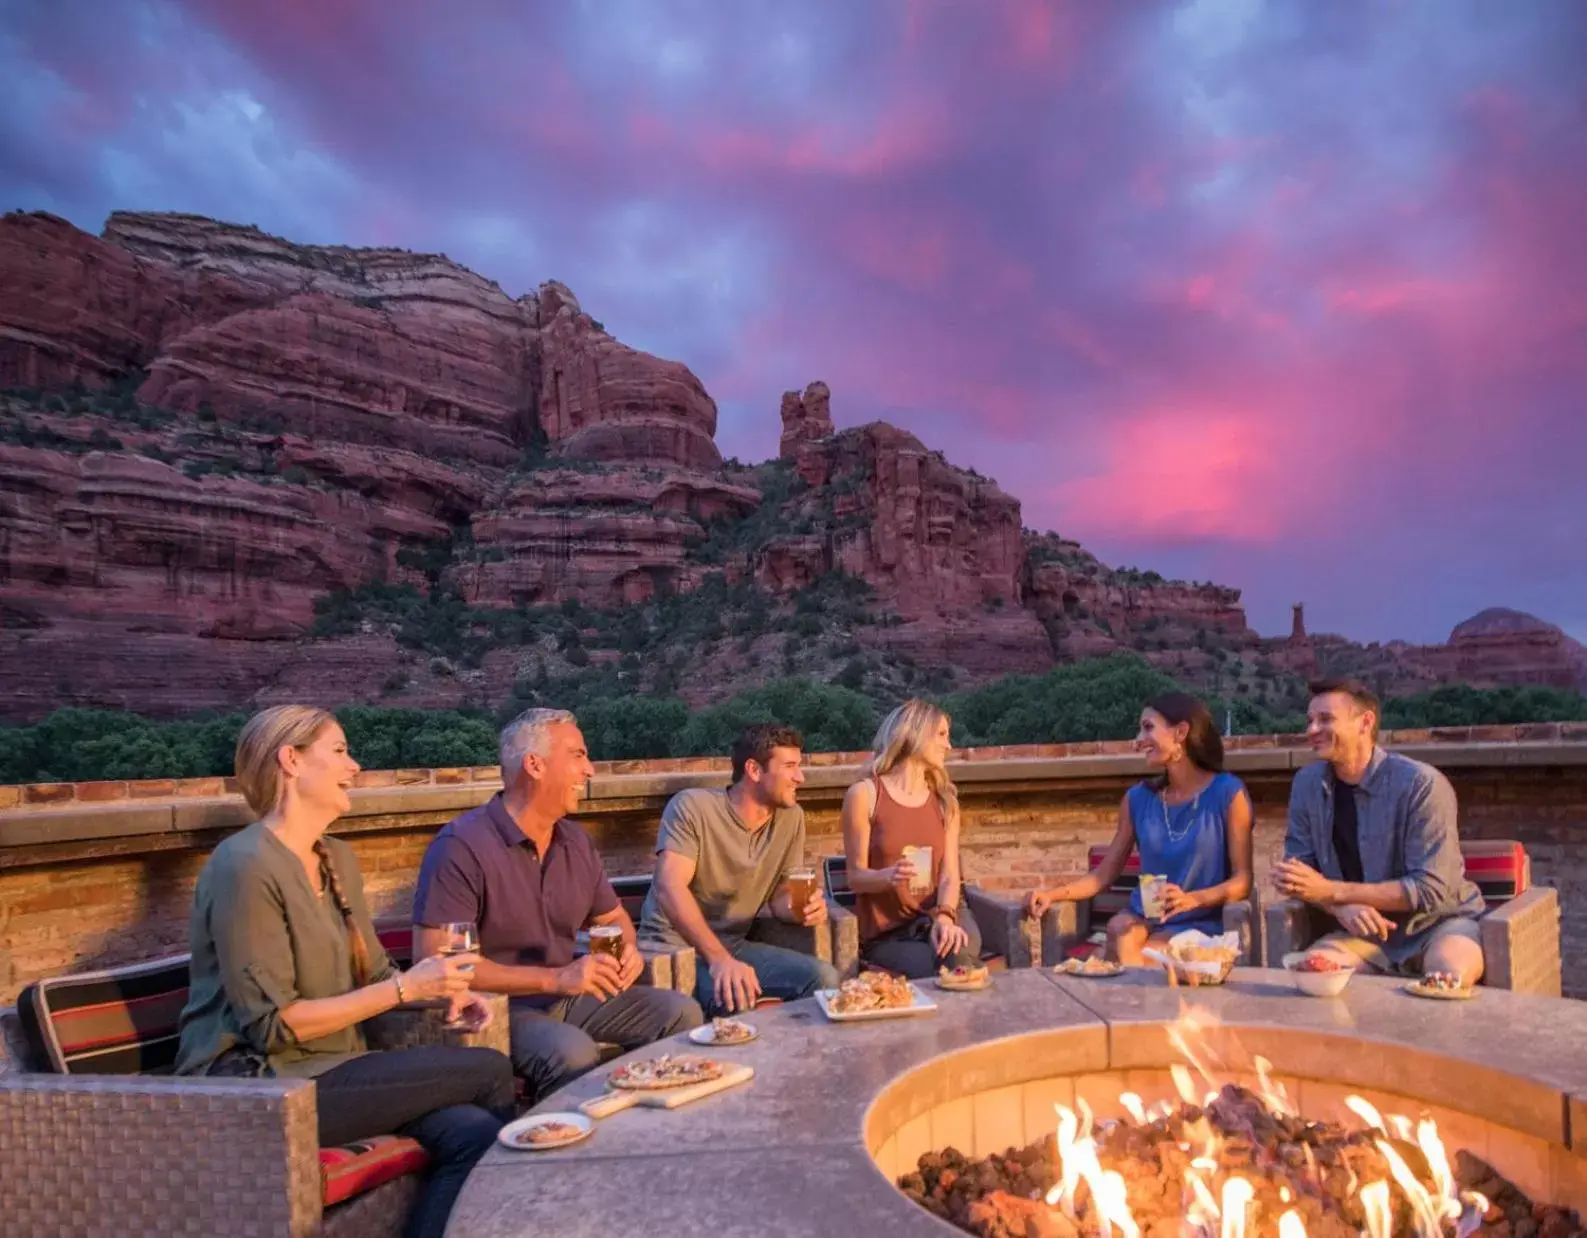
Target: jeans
{"type": "Point", "coordinates": [907, 949]}
{"type": "Point", "coordinates": [783, 973]}
{"type": "Point", "coordinates": [554, 1044]}
{"type": "Point", "coordinates": [452, 1100]}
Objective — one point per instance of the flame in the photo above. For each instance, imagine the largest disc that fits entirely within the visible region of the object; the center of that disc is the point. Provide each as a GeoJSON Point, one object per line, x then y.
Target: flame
{"type": "Point", "coordinates": [1365, 1112]}
{"type": "Point", "coordinates": [1291, 1226]}
{"type": "Point", "coordinates": [1183, 1084]}
{"type": "Point", "coordinates": [1380, 1216]}
{"type": "Point", "coordinates": [1202, 1210]}
{"type": "Point", "coordinates": [1077, 1153]}
{"type": "Point", "coordinates": [1131, 1104]}
{"type": "Point", "coordinates": [1273, 1094]}
{"type": "Point", "coordinates": [1237, 1197]}
{"type": "Point", "coordinates": [1427, 1212]}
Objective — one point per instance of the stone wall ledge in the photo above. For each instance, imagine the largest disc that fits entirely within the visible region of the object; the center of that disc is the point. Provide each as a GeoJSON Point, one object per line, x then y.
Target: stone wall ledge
{"type": "Point", "coordinates": [422, 796]}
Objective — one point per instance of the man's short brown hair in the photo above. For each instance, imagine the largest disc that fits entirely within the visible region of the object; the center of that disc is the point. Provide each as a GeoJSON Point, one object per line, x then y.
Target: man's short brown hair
{"type": "Point", "coordinates": [755, 743]}
{"type": "Point", "coordinates": [1363, 696]}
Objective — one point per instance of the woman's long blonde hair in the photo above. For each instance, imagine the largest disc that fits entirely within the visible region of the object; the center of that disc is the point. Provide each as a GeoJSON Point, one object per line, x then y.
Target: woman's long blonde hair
{"type": "Point", "coordinates": [902, 735]}
{"type": "Point", "coordinates": [257, 767]}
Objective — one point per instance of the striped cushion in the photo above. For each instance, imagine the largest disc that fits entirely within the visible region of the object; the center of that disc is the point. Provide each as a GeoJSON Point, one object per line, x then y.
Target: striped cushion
{"type": "Point", "coordinates": [1115, 898]}
{"type": "Point", "coordinates": [118, 1022]}
{"type": "Point", "coordinates": [1501, 869]}
{"type": "Point", "coordinates": [396, 936]}
{"type": "Point", "coordinates": [355, 1168]}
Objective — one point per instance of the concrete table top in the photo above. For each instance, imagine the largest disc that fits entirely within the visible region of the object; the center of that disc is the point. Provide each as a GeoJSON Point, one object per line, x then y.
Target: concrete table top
{"type": "Point", "coordinates": [786, 1154]}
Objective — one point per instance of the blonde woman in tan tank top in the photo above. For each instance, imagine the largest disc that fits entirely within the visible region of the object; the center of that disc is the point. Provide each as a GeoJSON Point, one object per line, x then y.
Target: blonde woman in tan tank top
{"type": "Point", "coordinates": [911, 922]}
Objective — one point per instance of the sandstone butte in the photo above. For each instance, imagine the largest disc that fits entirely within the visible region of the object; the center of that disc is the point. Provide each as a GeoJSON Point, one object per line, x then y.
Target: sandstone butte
{"type": "Point", "coordinates": [209, 428]}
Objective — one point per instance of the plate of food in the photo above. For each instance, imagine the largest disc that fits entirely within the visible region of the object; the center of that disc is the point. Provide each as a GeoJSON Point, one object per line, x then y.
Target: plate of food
{"type": "Point", "coordinates": [1441, 986]}
{"type": "Point", "coordinates": [667, 1071]}
{"type": "Point", "coordinates": [1195, 958]}
{"type": "Point", "coordinates": [964, 979]}
{"type": "Point", "coordinates": [541, 1132]}
{"type": "Point", "coordinates": [724, 1032]}
{"type": "Point", "coordinates": [1093, 968]}
{"type": "Point", "coordinates": [873, 995]}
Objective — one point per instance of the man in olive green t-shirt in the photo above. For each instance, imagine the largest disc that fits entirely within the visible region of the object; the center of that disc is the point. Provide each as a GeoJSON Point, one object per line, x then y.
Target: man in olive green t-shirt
{"type": "Point", "coordinates": [723, 858]}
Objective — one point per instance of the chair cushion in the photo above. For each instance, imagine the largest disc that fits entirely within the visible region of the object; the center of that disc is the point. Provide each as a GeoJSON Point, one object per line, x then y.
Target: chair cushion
{"type": "Point", "coordinates": [1501, 869]}
{"type": "Point", "coordinates": [396, 936]}
{"type": "Point", "coordinates": [122, 1021]}
{"type": "Point", "coordinates": [631, 892]}
{"type": "Point", "coordinates": [354, 1168]}
{"type": "Point", "coordinates": [1116, 897]}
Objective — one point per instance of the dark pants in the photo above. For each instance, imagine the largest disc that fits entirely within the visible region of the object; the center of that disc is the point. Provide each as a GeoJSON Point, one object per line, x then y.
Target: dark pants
{"type": "Point", "coordinates": [452, 1100]}
{"type": "Point", "coordinates": [554, 1044]}
{"type": "Point", "coordinates": [907, 949]}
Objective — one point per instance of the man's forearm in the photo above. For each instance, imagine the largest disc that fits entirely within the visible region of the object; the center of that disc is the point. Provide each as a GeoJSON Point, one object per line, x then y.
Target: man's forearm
{"type": "Point", "coordinates": [687, 918]}
{"type": "Point", "coordinates": [515, 980]}
{"type": "Point", "coordinates": [1378, 895]}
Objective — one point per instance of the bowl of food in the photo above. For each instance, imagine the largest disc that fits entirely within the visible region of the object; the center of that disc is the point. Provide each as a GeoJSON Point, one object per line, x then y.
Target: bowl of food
{"type": "Point", "coordinates": [1317, 975]}
{"type": "Point", "coordinates": [1193, 958]}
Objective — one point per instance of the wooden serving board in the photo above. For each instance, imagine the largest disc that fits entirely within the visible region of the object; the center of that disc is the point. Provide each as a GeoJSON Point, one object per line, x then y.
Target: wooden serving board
{"type": "Point", "coordinates": [618, 1099]}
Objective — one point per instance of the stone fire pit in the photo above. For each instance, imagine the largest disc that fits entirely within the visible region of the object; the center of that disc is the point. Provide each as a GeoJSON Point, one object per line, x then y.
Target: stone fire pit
{"type": "Point", "coordinates": [814, 1144]}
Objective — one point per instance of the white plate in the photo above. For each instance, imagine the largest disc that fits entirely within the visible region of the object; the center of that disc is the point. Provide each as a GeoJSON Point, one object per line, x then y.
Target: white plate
{"type": "Point", "coordinates": [1060, 970]}
{"type": "Point", "coordinates": [960, 986]}
{"type": "Point", "coordinates": [1415, 989]}
{"type": "Point", "coordinates": [922, 1005]}
{"type": "Point", "coordinates": [705, 1034]}
{"type": "Point", "coordinates": [507, 1135]}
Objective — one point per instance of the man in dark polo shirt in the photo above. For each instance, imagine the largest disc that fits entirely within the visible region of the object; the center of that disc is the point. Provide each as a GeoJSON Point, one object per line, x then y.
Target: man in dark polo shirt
{"type": "Point", "coordinates": [530, 878]}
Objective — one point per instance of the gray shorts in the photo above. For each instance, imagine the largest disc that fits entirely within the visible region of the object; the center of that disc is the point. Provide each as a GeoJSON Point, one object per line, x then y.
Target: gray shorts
{"type": "Point", "coordinates": [1404, 956]}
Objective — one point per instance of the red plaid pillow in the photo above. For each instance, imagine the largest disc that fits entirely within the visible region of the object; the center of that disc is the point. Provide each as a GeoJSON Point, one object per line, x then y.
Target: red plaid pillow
{"type": "Point", "coordinates": [355, 1168]}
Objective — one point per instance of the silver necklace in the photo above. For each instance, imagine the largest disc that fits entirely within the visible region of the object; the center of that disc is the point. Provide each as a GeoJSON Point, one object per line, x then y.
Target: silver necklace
{"type": "Point", "coordinates": [1168, 820]}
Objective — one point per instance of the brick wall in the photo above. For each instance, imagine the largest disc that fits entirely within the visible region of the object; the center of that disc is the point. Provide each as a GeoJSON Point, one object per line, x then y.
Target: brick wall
{"type": "Point", "coordinates": [98, 874]}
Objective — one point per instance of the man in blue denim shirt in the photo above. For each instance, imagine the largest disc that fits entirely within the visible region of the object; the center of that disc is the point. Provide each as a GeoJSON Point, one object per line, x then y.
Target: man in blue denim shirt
{"type": "Point", "coordinates": [1372, 840]}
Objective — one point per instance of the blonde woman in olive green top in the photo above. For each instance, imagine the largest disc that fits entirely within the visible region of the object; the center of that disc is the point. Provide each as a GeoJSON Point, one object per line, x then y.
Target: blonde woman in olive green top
{"type": "Point", "coordinates": [286, 966]}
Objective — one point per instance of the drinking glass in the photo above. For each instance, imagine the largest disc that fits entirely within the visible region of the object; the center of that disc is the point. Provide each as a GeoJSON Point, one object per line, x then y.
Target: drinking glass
{"type": "Point", "coordinates": [459, 937]}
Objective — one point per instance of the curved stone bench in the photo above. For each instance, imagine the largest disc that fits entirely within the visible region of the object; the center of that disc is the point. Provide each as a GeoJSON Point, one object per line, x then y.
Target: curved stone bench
{"type": "Point", "coordinates": [811, 1146]}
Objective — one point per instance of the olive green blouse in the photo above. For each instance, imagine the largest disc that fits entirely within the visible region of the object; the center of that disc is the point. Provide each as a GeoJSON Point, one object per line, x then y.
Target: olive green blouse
{"type": "Point", "coordinates": [263, 939]}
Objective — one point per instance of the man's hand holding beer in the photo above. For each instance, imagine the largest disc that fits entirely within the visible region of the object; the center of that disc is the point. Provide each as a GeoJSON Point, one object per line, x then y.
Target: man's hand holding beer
{"type": "Point", "coordinates": [596, 974]}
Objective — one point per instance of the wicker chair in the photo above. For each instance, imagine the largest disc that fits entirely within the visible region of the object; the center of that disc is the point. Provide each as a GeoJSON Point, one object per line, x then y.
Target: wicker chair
{"type": "Point", "coordinates": [1070, 930]}
{"type": "Point", "coordinates": [1520, 929]}
{"type": "Point", "coordinates": [1009, 938]}
{"type": "Point", "coordinates": [145, 1155]}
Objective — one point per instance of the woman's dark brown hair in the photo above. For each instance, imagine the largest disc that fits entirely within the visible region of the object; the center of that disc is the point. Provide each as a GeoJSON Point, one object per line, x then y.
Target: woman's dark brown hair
{"type": "Point", "coordinates": [1203, 744]}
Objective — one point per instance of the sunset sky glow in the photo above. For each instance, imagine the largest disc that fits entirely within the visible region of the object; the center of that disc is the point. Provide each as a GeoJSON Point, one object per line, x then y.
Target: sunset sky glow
{"type": "Point", "coordinates": [1290, 295]}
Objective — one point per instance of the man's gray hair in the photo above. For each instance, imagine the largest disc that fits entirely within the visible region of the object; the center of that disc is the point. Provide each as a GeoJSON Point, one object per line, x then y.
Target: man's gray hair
{"type": "Point", "coordinates": [529, 732]}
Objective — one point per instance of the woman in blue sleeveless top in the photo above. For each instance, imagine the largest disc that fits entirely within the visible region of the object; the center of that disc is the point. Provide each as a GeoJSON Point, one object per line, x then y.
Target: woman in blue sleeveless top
{"type": "Point", "coordinates": [1192, 824]}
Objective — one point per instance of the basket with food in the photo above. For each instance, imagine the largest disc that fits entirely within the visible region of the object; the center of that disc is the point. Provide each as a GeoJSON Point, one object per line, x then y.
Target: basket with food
{"type": "Point", "coordinates": [1194, 958]}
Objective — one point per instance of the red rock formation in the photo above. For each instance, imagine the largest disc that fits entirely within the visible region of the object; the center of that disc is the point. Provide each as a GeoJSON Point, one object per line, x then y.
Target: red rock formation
{"type": "Point", "coordinates": [609, 538]}
{"type": "Point", "coordinates": [601, 400]}
{"type": "Point", "coordinates": [805, 418]}
{"type": "Point", "coordinates": [332, 406]}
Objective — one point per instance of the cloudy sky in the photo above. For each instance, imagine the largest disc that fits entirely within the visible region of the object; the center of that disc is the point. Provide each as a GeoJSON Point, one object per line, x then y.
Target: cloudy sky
{"type": "Point", "coordinates": [1289, 295]}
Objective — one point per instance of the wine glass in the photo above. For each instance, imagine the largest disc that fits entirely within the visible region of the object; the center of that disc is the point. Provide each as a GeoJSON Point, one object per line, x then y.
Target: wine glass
{"type": "Point", "coordinates": [459, 937]}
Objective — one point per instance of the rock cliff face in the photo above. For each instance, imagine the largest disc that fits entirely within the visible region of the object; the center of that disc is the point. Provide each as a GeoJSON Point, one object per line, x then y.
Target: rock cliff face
{"type": "Point", "coordinates": [213, 434]}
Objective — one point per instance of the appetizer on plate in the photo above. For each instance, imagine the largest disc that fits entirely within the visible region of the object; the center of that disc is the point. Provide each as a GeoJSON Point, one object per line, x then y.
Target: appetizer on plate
{"type": "Point", "coordinates": [872, 990]}
{"type": "Point", "coordinates": [1095, 966]}
{"type": "Point", "coordinates": [548, 1132]}
{"type": "Point", "coordinates": [731, 1031]}
{"type": "Point", "coordinates": [666, 1071]}
{"type": "Point", "coordinates": [1439, 984]}
{"type": "Point", "coordinates": [964, 977]}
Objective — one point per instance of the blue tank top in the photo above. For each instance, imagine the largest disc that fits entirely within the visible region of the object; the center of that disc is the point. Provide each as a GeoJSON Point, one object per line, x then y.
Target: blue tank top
{"type": "Point", "coordinates": [1187, 843]}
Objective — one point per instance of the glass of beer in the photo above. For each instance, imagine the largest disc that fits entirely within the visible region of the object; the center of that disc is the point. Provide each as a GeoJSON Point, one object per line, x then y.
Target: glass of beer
{"type": "Point", "coordinates": [607, 939]}
{"type": "Point", "coordinates": [1152, 895]}
{"type": "Point", "coordinates": [921, 857]}
{"type": "Point", "coordinates": [801, 890]}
